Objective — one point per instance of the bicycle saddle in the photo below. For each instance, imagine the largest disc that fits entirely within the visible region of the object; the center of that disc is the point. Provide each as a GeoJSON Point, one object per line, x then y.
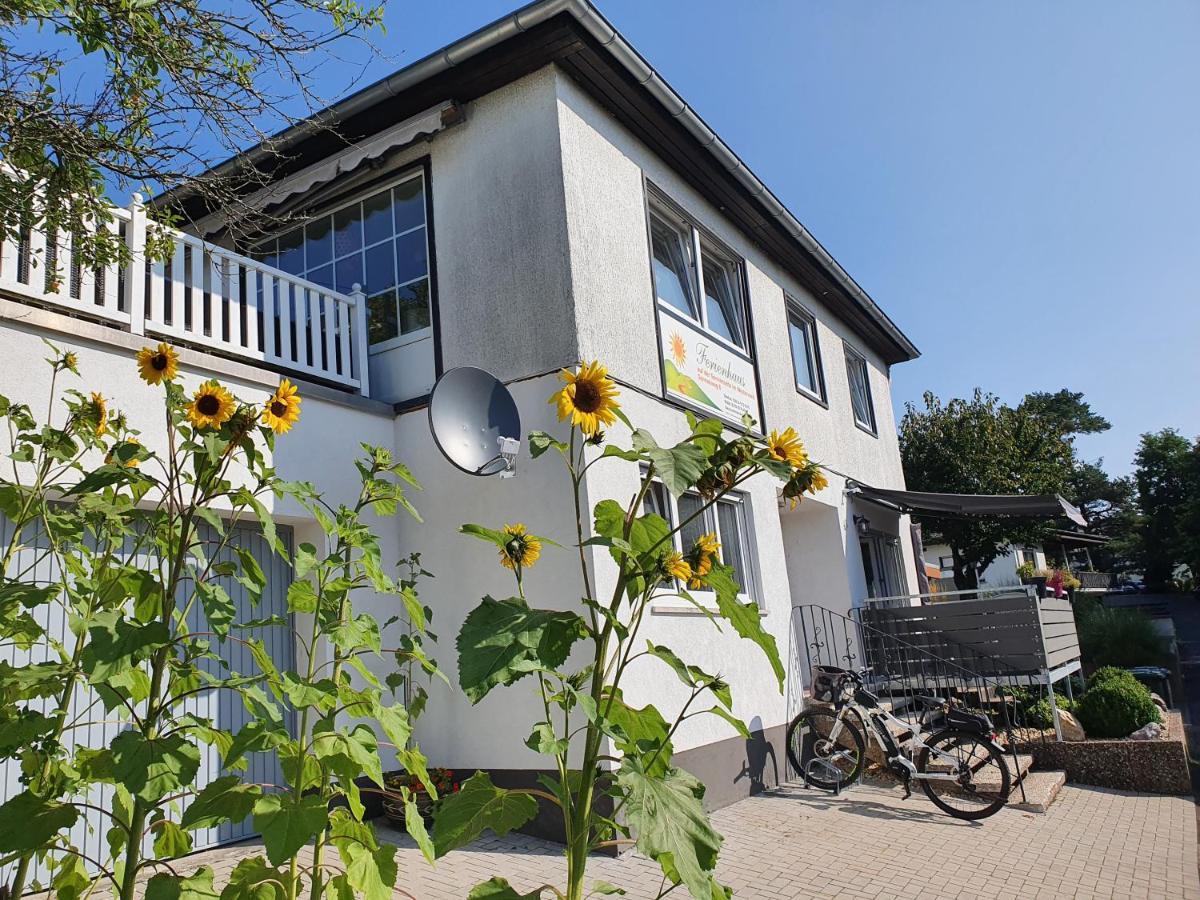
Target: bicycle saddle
{"type": "Point", "coordinates": [927, 701]}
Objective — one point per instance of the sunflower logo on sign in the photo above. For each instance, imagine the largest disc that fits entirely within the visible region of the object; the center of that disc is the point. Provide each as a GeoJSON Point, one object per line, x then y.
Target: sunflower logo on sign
{"type": "Point", "coordinates": [678, 349]}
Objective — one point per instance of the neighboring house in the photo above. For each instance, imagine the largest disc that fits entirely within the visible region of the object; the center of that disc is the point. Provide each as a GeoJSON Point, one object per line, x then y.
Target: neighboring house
{"type": "Point", "coordinates": [1002, 572]}
{"type": "Point", "coordinates": [528, 197]}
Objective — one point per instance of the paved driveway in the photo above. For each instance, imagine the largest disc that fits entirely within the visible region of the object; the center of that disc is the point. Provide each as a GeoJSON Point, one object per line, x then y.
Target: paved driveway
{"type": "Point", "coordinates": [869, 843]}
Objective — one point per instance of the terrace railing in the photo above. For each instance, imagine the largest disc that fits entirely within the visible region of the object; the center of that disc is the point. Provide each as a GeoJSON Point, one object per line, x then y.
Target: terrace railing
{"type": "Point", "coordinates": [200, 294]}
{"type": "Point", "coordinates": [1095, 582]}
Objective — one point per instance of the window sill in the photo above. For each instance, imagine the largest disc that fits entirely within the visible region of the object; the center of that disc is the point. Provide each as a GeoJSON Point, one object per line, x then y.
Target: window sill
{"type": "Point", "coordinates": [683, 608]}
{"type": "Point", "coordinates": [402, 341]}
{"type": "Point", "coordinates": [865, 428]}
{"type": "Point", "coordinates": [813, 396]}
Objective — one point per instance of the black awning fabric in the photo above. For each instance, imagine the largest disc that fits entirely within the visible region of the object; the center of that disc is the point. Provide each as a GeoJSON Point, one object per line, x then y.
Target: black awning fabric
{"type": "Point", "coordinates": [1050, 506]}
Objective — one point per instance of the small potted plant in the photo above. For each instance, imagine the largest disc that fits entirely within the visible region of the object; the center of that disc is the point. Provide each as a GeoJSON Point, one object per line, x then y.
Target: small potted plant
{"type": "Point", "coordinates": [443, 781]}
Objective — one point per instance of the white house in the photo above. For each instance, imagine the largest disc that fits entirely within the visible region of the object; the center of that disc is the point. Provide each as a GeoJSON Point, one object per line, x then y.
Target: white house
{"type": "Point", "coordinates": [533, 195]}
{"type": "Point", "coordinates": [1001, 572]}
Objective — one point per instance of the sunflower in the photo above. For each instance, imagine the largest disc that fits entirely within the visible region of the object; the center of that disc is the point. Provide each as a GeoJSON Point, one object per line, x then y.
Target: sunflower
{"type": "Point", "coordinates": [157, 365]}
{"type": "Point", "coordinates": [69, 361]}
{"type": "Point", "coordinates": [211, 407]}
{"type": "Point", "coordinates": [785, 446]}
{"type": "Point", "coordinates": [132, 462]}
{"type": "Point", "coordinates": [818, 482]}
{"type": "Point", "coordinates": [521, 549]}
{"type": "Point", "coordinates": [675, 566]}
{"type": "Point", "coordinates": [282, 410]}
{"type": "Point", "coordinates": [703, 553]}
{"type": "Point", "coordinates": [99, 412]}
{"type": "Point", "coordinates": [587, 398]}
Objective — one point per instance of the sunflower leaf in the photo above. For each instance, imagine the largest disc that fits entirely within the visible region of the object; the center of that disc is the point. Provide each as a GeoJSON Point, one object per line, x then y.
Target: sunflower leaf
{"type": "Point", "coordinates": [502, 641]}
{"type": "Point", "coordinates": [667, 815]}
{"type": "Point", "coordinates": [679, 467]}
{"type": "Point", "coordinates": [479, 805]}
{"type": "Point", "coordinates": [491, 535]}
{"type": "Point", "coordinates": [746, 618]}
{"type": "Point", "coordinates": [540, 442]}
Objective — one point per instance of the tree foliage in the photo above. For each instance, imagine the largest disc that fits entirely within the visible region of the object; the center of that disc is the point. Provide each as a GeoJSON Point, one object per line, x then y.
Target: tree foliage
{"type": "Point", "coordinates": [980, 446]}
{"type": "Point", "coordinates": [147, 96]}
{"type": "Point", "coordinates": [614, 780]}
{"type": "Point", "coordinates": [1167, 531]}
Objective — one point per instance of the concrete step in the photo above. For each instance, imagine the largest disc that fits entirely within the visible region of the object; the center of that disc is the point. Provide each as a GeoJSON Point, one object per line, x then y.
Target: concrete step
{"type": "Point", "coordinates": [1040, 790]}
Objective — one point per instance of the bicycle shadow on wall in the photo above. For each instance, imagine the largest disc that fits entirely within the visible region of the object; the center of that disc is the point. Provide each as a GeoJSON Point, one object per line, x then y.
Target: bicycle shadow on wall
{"type": "Point", "coordinates": [759, 753]}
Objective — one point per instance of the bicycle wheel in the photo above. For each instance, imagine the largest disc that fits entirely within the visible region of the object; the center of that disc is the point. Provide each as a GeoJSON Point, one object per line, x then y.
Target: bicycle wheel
{"type": "Point", "coordinates": [808, 740]}
{"type": "Point", "coordinates": [982, 779]}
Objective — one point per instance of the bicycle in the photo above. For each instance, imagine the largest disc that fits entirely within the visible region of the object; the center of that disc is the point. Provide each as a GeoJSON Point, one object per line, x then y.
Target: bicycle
{"type": "Point", "coordinates": [957, 762]}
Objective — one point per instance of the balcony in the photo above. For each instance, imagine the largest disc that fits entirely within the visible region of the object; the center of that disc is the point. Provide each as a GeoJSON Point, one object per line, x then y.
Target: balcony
{"type": "Point", "coordinates": [1000, 633]}
{"type": "Point", "coordinates": [202, 295]}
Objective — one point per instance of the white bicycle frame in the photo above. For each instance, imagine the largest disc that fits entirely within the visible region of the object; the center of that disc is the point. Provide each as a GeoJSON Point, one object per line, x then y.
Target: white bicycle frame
{"type": "Point", "coordinates": [881, 718]}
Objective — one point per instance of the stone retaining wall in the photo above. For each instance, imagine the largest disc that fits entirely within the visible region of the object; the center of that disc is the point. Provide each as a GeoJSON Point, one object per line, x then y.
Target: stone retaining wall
{"type": "Point", "coordinates": [1157, 767]}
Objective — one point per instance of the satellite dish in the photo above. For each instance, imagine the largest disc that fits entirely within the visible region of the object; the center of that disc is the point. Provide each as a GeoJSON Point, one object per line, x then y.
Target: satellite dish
{"type": "Point", "coordinates": [474, 421]}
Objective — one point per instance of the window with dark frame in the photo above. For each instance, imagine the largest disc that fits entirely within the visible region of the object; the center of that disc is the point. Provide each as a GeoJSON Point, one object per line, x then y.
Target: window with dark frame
{"type": "Point", "coordinates": [806, 355]}
{"type": "Point", "coordinates": [860, 390]}
{"type": "Point", "coordinates": [379, 241]}
{"type": "Point", "coordinates": [710, 294]}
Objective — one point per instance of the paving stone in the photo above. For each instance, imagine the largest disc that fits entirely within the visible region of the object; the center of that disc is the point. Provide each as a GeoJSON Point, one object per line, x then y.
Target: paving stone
{"type": "Point", "coordinates": [865, 843]}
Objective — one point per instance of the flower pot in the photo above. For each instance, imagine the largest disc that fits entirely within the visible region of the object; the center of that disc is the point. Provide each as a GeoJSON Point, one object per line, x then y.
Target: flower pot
{"type": "Point", "coordinates": [393, 809]}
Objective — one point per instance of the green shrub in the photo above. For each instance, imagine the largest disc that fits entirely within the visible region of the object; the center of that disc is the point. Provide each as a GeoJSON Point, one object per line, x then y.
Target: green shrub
{"type": "Point", "coordinates": [1039, 715]}
{"type": "Point", "coordinates": [1110, 673]}
{"type": "Point", "coordinates": [1119, 637]}
{"type": "Point", "coordinates": [1116, 707]}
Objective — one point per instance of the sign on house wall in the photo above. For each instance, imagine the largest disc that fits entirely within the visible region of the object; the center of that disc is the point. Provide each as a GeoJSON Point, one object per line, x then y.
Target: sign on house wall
{"type": "Point", "coordinates": [704, 373]}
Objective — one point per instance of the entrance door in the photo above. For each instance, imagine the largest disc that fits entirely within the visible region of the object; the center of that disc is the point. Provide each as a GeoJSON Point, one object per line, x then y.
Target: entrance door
{"type": "Point", "coordinates": [881, 567]}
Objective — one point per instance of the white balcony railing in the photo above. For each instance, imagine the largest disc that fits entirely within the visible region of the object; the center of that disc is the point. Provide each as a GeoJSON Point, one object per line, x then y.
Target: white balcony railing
{"type": "Point", "coordinates": [202, 295]}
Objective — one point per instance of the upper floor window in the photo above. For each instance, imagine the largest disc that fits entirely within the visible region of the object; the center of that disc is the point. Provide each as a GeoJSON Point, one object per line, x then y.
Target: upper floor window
{"type": "Point", "coordinates": [860, 390]}
{"type": "Point", "coordinates": [380, 242]}
{"type": "Point", "coordinates": [710, 293]}
{"type": "Point", "coordinates": [806, 355]}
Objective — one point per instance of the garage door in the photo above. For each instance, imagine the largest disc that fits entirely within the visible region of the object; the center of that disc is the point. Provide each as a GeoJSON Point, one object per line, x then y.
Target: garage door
{"type": "Point", "coordinates": [221, 706]}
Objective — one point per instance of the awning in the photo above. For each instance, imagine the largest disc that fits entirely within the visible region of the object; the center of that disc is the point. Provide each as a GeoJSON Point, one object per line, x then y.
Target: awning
{"type": "Point", "coordinates": [423, 125]}
{"type": "Point", "coordinates": [1049, 506]}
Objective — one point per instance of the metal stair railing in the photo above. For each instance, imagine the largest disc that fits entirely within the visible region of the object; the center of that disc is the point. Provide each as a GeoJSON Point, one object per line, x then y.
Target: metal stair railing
{"type": "Point", "coordinates": [900, 671]}
{"type": "Point", "coordinates": [1020, 688]}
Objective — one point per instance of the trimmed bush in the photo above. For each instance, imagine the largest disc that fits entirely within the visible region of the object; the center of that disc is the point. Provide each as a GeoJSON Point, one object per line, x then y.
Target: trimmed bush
{"type": "Point", "coordinates": [1110, 673]}
{"type": "Point", "coordinates": [1116, 707]}
{"type": "Point", "coordinates": [1119, 637]}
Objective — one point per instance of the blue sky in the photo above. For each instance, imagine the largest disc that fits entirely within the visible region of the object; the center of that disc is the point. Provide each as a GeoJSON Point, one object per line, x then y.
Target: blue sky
{"type": "Point", "coordinates": [1017, 184]}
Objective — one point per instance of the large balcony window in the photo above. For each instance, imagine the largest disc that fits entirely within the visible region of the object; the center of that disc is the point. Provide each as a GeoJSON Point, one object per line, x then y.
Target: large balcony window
{"type": "Point", "coordinates": [379, 241]}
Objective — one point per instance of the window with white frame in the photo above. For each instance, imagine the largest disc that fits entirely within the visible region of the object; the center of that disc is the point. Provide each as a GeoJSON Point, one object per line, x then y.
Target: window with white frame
{"type": "Point", "coordinates": [728, 519]}
{"type": "Point", "coordinates": [709, 293]}
{"type": "Point", "coordinates": [806, 355]}
{"type": "Point", "coordinates": [378, 241]}
{"type": "Point", "coordinates": [860, 390]}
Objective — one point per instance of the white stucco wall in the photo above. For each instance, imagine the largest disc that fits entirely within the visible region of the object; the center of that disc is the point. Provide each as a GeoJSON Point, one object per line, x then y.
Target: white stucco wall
{"type": "Point", "coordinates": [453, 732]}
{"type": "Point", "coordinates": [499, 231]}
